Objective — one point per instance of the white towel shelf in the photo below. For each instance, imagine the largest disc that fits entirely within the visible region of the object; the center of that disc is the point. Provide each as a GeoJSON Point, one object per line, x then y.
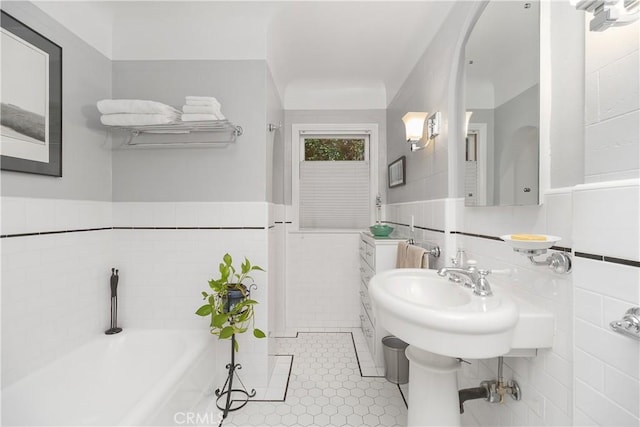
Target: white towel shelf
{"type": "Point", "coordinates": [181, 128]}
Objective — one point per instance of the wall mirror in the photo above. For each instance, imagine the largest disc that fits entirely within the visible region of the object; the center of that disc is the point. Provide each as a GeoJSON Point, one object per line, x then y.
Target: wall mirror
{"type": "Point", "coordinates": [502, 103]}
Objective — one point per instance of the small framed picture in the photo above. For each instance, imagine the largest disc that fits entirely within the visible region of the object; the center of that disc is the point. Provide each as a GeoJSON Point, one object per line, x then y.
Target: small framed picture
{"type": "Point", "coordinates": [31, 99]}
{"type": "Point", "coordinates": [397, 172]}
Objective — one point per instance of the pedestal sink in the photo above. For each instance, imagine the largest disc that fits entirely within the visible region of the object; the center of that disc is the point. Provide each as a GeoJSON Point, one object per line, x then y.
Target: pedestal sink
{"type": "Point", "coordinates": [443, 321]}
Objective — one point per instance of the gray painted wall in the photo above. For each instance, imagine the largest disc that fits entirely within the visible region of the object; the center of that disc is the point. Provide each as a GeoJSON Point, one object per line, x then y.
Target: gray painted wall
{"type": "Point", "coordinates": [292, 117]}
{"type": "Point", "coordinates": [86, 151]}
{"type": "Point", "coordinates": [234, 173]}
{"type": "Point", "coordinates": [426, 89]}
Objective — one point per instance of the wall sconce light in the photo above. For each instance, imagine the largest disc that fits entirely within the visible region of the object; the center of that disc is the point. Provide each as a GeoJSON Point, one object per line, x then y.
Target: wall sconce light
{"type": "Point", "coordinates": [609, 13]}
{"type": "Point", "coordinates": [414, 129]}
{"type": "Point", "coordinates": [433, 125]}
{"type": "Point", "coordinates": [466, 123]}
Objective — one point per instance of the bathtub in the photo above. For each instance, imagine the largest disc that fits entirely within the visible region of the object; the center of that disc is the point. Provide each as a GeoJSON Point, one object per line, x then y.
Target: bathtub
{"type": "Point", "coordinates": [124, 379]}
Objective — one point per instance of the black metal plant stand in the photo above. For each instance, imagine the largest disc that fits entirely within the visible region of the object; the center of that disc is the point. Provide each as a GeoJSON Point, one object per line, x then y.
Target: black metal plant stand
{"type": "Point", "coordinates": [233, 403]}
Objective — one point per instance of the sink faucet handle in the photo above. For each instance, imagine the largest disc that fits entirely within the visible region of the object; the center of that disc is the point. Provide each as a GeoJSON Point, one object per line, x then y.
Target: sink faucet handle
{"type": "Point", "coordinates": [482, 287]}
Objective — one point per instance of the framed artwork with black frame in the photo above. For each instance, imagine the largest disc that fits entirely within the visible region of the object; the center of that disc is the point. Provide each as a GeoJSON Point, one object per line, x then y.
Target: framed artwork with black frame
{"type": "Point", "coordinates": [31, 101]}
{"type": "Point", "coordinates": [397, 172]}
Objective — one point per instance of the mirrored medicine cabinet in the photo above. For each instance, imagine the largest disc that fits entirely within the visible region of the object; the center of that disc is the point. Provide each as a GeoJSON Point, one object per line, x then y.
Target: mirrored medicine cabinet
{"type": "Point", "coordinates": [502, 103]}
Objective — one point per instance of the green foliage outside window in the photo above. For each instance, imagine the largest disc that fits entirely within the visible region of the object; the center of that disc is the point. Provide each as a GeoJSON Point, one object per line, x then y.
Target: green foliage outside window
{"type": "Point", "coordinates": [328, 149]}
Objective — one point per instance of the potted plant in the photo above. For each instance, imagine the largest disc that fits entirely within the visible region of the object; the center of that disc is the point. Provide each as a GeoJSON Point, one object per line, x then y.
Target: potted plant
{"type": "Point", "coordinates": [228, 304]}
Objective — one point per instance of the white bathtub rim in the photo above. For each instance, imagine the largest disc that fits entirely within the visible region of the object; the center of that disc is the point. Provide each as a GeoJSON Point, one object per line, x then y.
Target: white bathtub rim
{"type": "Point", "coordinates": [141, 410]}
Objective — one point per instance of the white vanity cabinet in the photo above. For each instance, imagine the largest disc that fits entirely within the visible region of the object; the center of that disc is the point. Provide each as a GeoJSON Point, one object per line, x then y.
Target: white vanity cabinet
{"type": "Point", "coordinates": [376, 255]}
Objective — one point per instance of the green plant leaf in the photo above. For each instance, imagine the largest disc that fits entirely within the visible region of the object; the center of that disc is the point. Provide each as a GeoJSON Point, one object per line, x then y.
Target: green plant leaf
{"type": "Point", "coordinates": [249, 302]}
{"type": "Point", "coordinates": [258, 333]}
{"type": "Point", "coordinates": [235, 345]}
{"type": "Point", "coordinates": [226, 332]}
{"type": "Point", "coordinates": [243, 317]}
{"type": "Point", "coordinates": [255, 267]}
{"type": "Point", "coordinates": [216, 285]}
{"type": "Point", "coordinates": [227, 259]}
{"type": "Point", "coordinates": [224, 273]}
{"type": "Point", "coordinates": [205, 310]}
{"type": "Point", "coordinates": [246, 266]}
{"type": "Point", "coordinates": [219, 320]}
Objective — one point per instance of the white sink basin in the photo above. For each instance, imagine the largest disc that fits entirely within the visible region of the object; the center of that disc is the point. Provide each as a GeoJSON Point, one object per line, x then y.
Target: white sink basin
{"type": "Point", "coordinates": [436, 315]}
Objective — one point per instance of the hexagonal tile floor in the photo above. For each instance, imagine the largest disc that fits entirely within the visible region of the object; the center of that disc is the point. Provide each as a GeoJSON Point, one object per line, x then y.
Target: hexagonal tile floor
{"type": "Point", "coordinates": [326, 388]}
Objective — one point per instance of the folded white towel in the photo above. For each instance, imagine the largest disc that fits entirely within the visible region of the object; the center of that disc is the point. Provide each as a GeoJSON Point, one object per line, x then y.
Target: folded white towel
{"type": "Point", "coordinates": [136, 119]}
{"type": "Point", "coordinates": [137, 106]}
{"type": "Point", "coordinates": [200, 109]}
{"type": "Point", "coordinates": [202, 103]}
{"type": "Point", "coordinates": [209, 100]}
{"type": "Point", "coordinates": [200, 117]}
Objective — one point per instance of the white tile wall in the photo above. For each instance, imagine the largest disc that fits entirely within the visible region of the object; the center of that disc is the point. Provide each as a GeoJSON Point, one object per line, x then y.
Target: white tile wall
{"type": "Point", "coordinates": [277, 269]}
{"type": "Point", "coordinates": [322, 280]}
{"type": "Point", "coordinates": [54, 287]}
{"type": "Point", "coordinates": [608, 209]}
{"type": "Point", "coordinates": [607, 372]}
{"type": "Point", "coordinates": [606, 223]}
{"type": "Point", "coordinates": [162, 272]}
{"type": "Point", "coordinates": [434, 214]}
{"type": "Point", "coordinates": [612, 149]}
{"type": "Point", "coordinates": [190, 214]}
{"type": "Point", "coordinates": [29, 215]}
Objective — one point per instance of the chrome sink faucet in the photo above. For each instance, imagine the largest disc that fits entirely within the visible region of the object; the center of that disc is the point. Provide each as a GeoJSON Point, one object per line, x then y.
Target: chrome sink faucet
{"type": "Point", "coordinates": [475, 277]}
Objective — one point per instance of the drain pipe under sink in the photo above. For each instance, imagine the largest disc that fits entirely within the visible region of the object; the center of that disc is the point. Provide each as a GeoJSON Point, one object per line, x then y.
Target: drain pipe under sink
{"type": "Point", "coordinates": [492, 391]}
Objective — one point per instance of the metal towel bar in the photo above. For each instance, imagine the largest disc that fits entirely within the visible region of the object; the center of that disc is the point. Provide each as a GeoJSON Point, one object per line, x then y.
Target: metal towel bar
{"type": "Point", "coordinates": [434, 251]}
{"type": "Point", "coordinates": [630, 323]}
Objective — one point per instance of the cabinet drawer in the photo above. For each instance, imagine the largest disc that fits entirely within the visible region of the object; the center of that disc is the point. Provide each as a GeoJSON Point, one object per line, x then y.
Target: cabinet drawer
{"type": "Point", "coordinates": [366, 302]}
{"type": "Point", "coordinates": [369, 255]}
{"type": "Point", "coordinates": [367, 330]}
{"type": "Point", "coordinates": [366, 272]}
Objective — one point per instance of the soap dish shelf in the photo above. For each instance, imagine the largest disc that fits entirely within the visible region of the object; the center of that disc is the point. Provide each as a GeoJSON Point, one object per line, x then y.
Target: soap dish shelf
{"type": "Point", "coordinates": [559, 262]}
{"type": "Point", "coordinates": [182, 128]}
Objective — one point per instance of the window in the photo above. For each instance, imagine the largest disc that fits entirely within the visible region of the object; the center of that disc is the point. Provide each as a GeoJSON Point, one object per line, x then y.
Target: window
{"type": "Point", "coordinates": [334, 180]}
{"type": "Point", "coordinates": [334, 149]}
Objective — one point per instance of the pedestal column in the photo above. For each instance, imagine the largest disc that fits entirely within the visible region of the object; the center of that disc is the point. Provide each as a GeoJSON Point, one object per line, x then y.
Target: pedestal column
{"type": "Point", "coordinates": [433, 389]}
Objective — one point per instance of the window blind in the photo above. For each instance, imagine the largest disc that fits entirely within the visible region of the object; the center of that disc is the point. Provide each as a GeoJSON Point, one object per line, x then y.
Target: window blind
{"type": "Point", "coordinates": [334, 194]}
